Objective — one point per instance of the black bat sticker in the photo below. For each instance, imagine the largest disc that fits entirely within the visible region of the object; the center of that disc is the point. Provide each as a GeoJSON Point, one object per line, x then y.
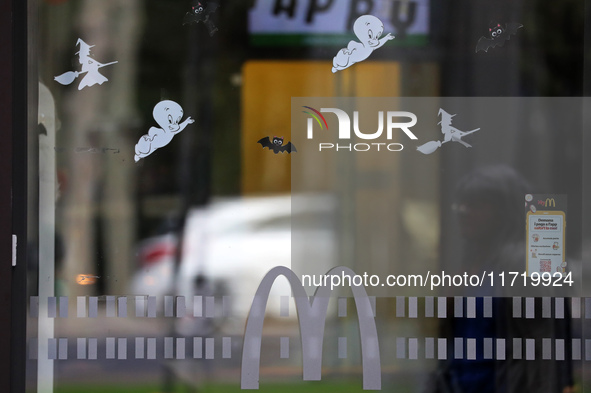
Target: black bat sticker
{"type": "Point", "coordinates": [200, 13]}
{"type": "Point", "coordinates": [277, 145]}
{"type": "Point", "coordinates": [498, 36]}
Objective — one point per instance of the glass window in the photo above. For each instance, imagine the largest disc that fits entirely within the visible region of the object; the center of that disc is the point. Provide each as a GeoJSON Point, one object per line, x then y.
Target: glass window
{"type": "Point", "coordinates": [410, 172]}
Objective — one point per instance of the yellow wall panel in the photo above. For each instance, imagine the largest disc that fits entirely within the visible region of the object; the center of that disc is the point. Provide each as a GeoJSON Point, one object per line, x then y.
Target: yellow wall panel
{"type": "Point", "coordinates": [268, 87]}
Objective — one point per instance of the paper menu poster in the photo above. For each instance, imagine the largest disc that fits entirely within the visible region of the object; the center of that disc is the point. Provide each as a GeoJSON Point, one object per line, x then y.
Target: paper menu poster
{"type": "Point", "coordinates": [545, 234]}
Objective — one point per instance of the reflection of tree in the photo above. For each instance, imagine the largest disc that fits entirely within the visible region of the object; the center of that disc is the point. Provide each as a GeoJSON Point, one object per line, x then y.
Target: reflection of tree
{"type": "Point", "coordinates": [101, 185]}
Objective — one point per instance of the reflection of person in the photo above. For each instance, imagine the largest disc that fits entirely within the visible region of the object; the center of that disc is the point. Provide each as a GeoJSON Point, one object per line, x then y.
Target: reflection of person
{"type": "Point", "coordinates": [489, 207]}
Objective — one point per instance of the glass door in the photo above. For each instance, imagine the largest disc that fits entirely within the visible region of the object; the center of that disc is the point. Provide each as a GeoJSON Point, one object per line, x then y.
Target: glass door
{"type": "Point", "coordinates": [305, 196]}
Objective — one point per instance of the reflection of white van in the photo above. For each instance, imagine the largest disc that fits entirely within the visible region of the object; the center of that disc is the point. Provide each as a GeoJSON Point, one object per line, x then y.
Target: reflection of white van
{"type": "Point", "coordinates": [235, 242]}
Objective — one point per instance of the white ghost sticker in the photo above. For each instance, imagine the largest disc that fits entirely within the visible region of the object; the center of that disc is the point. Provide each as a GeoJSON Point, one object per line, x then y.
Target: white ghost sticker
{"type": "Point", "coordinates": [368, 30]}
{"type": "Point", "coordinates": [168, 115]}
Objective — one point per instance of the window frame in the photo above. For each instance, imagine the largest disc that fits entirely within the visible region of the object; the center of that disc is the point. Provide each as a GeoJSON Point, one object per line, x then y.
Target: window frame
{"type": "Point", "coordinates": [13, 190]}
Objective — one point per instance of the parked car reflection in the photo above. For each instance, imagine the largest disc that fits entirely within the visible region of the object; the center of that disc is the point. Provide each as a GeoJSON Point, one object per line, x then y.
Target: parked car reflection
{"type": "Point", "coordinates": [233, 243]}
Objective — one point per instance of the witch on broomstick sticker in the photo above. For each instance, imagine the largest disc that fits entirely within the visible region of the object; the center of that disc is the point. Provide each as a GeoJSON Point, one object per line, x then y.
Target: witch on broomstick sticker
{"type": "Point", "coordinates": [90, 69]}
{"type": "Point", "coordinates": [450, 134]}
